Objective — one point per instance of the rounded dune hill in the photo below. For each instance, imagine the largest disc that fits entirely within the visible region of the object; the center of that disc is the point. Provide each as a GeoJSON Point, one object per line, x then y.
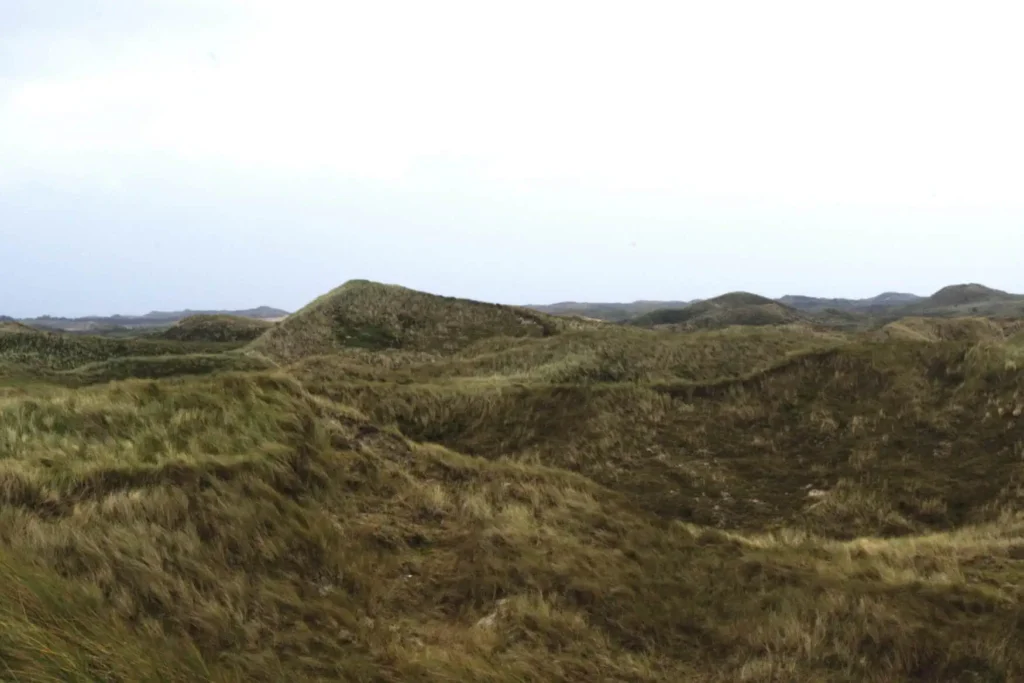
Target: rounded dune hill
{"type": "Point", "coordinates": [737, 299]}
{"type": "Point", "coordinates": [216, 328]}
{"type": "Point", "coordinates": [734, 308]}
{"type": "Point", "coordinates": [958, 295]}
{"type": "Point", "coordinates": [375, 316]}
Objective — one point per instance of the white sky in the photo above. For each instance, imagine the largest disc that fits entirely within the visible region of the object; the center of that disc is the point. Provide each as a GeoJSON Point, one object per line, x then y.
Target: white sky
{"type": "Point", "coordinates": [216, 153]}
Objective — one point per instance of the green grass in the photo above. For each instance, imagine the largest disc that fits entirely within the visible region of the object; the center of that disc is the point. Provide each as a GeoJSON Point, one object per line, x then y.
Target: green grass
{"type": "Point", "coordinates": [751, 504]}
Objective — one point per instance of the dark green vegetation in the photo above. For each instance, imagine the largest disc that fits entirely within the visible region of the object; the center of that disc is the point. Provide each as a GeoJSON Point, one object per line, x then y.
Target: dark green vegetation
{"type": "Point", "coordinates": [390, 486]}
{"type": "Point", "coordinates": [959, 295]}
{"type": "Point", "coordinates": [952, 301]}
{"type": "Point", "coordinates": [875, 304]}
{"type": "Point", "coordinates": [216, 328]}
{"type": "Point", "coordinates": [736, 308]}
{"type": "Point", "coordinates": [972, 299]}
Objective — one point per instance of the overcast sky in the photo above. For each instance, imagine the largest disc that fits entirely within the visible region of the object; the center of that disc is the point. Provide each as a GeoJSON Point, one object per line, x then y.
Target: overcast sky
{"type": "Point", "coordinates": [227, 154]}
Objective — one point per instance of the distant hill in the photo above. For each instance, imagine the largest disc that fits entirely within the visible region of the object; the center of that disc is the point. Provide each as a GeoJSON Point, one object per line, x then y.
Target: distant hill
{"type": "Point", "coordinates": [892, 299]}
{"type": "Point", "coordinates": [371, 315]}
{"type": "Point", "coordinates": [151, 319]}
{"type": "Point", "coordinates": [262, 312]}
{"type": "Point", "coordinates": [734, 299]}
{"type": "Point", "coordinates": [816, 304]}
{"type": "Point", "coordinates": [958, 295]}
{"type": "Point", "coordinates": [963, 300]}
{"type": "Point", "coordinates": [621, 312]}
{"type": "Point", "coordinates": [734, 308]}
{"type": "Point", "coordinates": [612, 312]}
{"type": "Point", "coordinates": [970, 299]}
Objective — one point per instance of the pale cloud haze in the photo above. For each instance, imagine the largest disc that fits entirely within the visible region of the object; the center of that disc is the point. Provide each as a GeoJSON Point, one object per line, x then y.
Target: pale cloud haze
{"type": "Point", "coordinates": [227, 154]}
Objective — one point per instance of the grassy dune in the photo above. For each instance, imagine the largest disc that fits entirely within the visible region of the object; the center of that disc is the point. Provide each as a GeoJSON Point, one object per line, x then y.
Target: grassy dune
{"type": "Point", "coordinates": [216, 328]}
{"type": "Point", "coordinates": [373, 316]}
{"type": "Point", "coordinates": [532, 501]}
{"type": "Point", "coordinates": [904, 437]}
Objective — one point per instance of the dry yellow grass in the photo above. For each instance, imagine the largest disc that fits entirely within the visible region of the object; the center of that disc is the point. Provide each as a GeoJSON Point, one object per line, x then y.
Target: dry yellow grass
{"type": "Point", "coordinates": [614, 504]}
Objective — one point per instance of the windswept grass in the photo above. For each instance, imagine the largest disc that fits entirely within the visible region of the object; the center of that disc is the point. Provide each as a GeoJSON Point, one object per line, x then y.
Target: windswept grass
{"type": "Point", "coordinates": [604, 354]}
{"type": "Point", "coordinates": [271, 535]}
{"type": "Point", "coordinates": [156, 367]}
{"type": "Point", "coordinates": [602, 504]}
{"type": "Point", "coordinates": [932, 421]}
{"type": "Point", "coordinates": [54, 629]}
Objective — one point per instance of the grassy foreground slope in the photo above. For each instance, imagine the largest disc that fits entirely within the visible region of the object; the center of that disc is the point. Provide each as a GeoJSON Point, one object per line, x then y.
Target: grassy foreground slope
{"type": "Point", "coordinates": [606, 503]}
{"type": "Point", "coordinates": [263, 533]}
